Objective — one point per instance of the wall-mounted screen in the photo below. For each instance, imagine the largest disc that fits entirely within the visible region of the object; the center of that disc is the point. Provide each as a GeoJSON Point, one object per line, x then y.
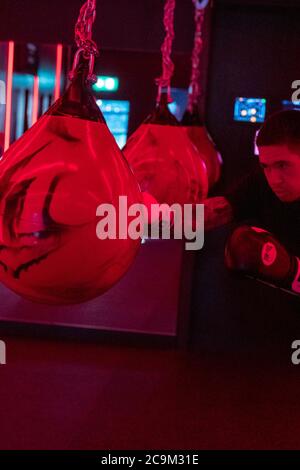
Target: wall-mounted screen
{"type": "Point", "coordinates": [116, 114]}
{"type": "Point", "coordinates": [250, 109]}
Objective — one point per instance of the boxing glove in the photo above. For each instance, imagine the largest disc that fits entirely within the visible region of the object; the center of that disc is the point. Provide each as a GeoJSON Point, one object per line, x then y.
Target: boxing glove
{"type": "Point", "coordinates": [256, 252]}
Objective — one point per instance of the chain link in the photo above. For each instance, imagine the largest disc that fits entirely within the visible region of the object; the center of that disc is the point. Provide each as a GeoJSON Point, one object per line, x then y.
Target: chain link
{"type": "Point", "coordinates": [166, 50]}
{"type": "Point", "coordinates": [195, 87]}
{"type": "Point", "coordinates": [83, 28]}
{"type": "Point", "coordinates": [83, 38]}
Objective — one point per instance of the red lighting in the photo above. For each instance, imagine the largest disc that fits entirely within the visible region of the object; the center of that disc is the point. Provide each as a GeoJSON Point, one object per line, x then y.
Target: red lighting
{"type": "Point", "coordinates": [9, 82]}
{"type": "Point", "coordinates": [35, 100]}
{"type": "Point", "coordinates": [59, 52]}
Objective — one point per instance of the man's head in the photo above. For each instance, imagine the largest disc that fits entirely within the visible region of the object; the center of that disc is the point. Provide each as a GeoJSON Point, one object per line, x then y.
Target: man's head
{"type": "Point", "coordinates": [278, 143]}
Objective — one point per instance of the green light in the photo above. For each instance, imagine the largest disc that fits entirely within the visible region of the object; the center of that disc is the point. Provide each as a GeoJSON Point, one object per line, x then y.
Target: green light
{"type": "Point", "coordinates": [106, 84]}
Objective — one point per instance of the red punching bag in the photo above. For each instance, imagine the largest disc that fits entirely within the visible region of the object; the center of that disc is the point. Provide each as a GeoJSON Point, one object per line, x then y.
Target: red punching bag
{"type": "Point", "coordinates": [192, 121]}
{"type": "Point", "coordinates": [165, 162]}
{"type": "Point", "coordinates": [198, 134]}
{"type": "Point", "coordinates": [52, 180]}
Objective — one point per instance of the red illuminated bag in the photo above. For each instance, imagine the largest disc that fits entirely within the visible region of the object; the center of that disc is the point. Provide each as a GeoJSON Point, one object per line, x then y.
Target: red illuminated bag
{"type": "Point", "coordinates": [164, 161]}
{"type": "Point", "coordinates": [198, 134]}
{"type": "Point", "coordinates": [51, 182]}
{"type": "Point", "coordinates": [192, 121]}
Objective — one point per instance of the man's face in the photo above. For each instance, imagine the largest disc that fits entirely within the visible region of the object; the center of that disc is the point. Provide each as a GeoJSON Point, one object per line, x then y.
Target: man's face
{"type": "Point", "coordinates": [281, 166]}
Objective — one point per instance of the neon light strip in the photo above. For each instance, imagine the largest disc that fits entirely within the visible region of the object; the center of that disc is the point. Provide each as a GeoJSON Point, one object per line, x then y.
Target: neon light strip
{"type": "Point", "coordinates": [35, 100]}
{"type": "Point", "coordinates": [9, 83]}
{"type": "Point", "coordinates": [59, 52]}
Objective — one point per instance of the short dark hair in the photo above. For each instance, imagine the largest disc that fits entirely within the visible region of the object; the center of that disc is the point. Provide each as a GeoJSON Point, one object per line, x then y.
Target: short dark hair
{"type": "Point", "coordinates": [281, 128]}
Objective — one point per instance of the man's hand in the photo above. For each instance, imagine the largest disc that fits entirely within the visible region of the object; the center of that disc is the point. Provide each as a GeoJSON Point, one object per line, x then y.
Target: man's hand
{"type": "Point", "coordinates": [217, 212]}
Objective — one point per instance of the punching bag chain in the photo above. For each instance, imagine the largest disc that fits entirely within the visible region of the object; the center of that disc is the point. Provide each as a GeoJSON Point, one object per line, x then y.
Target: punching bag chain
{"type": "Point", "coordinates": [83, 38]}
{"type": "Point", "coordinates": [166, 49]}
{"type": "Point", "coordinates": [195, 88]}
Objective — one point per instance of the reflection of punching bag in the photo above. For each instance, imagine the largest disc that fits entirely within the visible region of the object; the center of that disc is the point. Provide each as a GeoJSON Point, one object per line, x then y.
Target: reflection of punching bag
{"type": "Point", "coordinates": [198, 134]}
{"type": "Point", "coordinates": [51, 182]}
{"type": "Point", "coordinates": [164, 161]}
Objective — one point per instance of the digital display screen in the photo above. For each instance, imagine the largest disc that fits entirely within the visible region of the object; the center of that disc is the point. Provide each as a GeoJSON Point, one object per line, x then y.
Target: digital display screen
{"type": "Point", "coordinates": [250, 109]}
{"type": "Point", "coordinates": [116, 115]}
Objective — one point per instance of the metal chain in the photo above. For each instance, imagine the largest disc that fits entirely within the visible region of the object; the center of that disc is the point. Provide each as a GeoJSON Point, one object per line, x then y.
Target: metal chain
{"type": "Point", "coordinates": [166, 50]}
{"type": "Point", "coordinates": [83, 38]}
{"type": "Point", "coordinates": [195, 87]}
{"type": "Point", "coordinates": [83, 28]}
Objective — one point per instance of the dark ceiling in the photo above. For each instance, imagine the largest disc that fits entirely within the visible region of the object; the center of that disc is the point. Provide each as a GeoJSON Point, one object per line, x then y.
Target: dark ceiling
{"type": "Point", "coordinates": [120, 24]}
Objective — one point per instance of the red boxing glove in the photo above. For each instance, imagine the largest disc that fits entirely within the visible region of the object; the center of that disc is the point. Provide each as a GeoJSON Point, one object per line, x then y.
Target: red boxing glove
{"type": "Point", "coordinates": [256, 252]}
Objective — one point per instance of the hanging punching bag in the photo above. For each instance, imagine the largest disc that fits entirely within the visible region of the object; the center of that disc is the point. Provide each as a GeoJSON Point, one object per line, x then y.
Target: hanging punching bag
{"type": "Point", "coordinates": [52, 180]}
{"type": "Point", "coordinates": [192, 121]}
{"type": "Point", "coordinates": [198, 134]}
{"type": "Point", "coordinates": [165, 162]}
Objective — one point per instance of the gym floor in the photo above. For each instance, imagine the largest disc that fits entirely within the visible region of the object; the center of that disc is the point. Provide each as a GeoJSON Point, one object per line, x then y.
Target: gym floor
{"type": "Point", "coordinates": [235, 388]}
{"type": "Point", "coordinates": [62, 395]}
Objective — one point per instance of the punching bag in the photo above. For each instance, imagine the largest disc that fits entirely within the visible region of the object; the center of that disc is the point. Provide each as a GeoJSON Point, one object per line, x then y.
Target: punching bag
{"type": "Point", "coordinates": [198, 134]}
{"type": "Point", "coordinates": [164, 161]}
{"type": "Point", "coordinates": [52, 181]}
{"type": "Point", "coordinates": [192, 121]}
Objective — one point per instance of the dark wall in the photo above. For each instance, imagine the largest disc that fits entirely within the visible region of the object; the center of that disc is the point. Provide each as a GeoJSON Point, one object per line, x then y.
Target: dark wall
{"type": "Point", "coordinates": [137, 72]}
{"type": "Point", "coordinates": [129, 34]}
{"type": "Point", "coordinates": [120, 24]}
{"type": "Point", "coordinates": [254, 53]}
